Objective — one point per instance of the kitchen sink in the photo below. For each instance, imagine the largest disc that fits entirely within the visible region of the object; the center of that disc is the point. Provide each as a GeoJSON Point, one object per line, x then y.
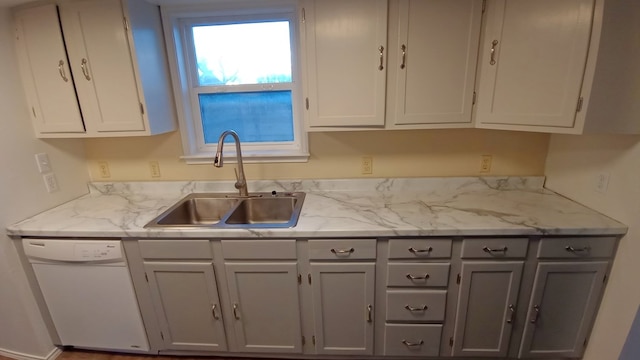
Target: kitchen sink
{"type": "Point", "coordinates": [218, 210]}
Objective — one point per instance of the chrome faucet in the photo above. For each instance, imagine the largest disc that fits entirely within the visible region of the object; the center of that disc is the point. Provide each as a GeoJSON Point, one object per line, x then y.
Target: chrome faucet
{"type": "Point", "coordinates": [241, 181]}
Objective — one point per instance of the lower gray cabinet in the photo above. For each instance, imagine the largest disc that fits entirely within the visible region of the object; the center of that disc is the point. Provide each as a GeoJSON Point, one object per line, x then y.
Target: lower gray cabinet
{"type": "Point", "coordinates": [562, 308]}
{"type": "Point", "coordinates": [265, 306]}
{"type": "Point", "coordinates": [486, 307]}
{"type": "Point", "coordinates": [343, 307]}
{"type": "Point", "coordinates": [185, 299]}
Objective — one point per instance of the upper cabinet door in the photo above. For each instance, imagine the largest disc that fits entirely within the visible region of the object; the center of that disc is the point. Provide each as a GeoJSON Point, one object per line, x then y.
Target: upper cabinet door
{"type": "Point", "coordinates": [533, 62]}
{"type": "Point", "coordinates": [45, 71]}
{"type": "Point", "coordinates": [435, 61]}
{"type": "Point", "coordinates": [346, 62]}
{"type": "Point", "coordinates": [101, 61]}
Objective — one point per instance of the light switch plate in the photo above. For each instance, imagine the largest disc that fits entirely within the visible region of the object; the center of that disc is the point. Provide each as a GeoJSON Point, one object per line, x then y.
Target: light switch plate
{"type": "Point", "coordinates": [44, 166]}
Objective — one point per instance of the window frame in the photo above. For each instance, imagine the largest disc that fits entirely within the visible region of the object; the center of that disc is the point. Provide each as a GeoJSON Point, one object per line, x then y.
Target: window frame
{"type": "Point", "coordinates": [177, 22]}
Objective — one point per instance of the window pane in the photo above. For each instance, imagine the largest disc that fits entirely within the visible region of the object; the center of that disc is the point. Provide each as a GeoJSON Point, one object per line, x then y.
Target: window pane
{"type": "Point", "coordinates": [239, 54]}
{"type": "Point", "coordinates": [255, 116]}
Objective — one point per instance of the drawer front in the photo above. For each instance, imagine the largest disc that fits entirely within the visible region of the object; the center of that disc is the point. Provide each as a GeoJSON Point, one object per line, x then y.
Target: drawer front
{"type": "Point", "coordinates": [412, 339]}
{"type": "Point", "coordinates": [175, 249]}
{"type": "Point", "coordinates": [577, 248]}
{"type": "Point", "coordinates": [342, 249]}
{"type": "Point", "coordinates": [259, 249]}
{"type": "Point", "coordinates": [418, 274]}
{"type": "Point", "coordinates": [419, 248]}
{"type": "Point", "coordinates": [507, 248]}
{"type": "Point", "coordinates": [416, 305]}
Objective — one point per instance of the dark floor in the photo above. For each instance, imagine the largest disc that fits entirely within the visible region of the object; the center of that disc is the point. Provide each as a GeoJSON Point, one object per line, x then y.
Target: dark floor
{"type": "Point", "coordinates": [93, 355]}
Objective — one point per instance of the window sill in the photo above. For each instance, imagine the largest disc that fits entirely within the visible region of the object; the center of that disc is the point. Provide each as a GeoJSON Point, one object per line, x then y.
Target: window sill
{"type": "Point", "coordinates": [250, 157]}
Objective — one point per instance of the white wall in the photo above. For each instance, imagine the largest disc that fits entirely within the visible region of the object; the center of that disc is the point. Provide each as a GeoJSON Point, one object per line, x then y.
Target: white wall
{"type": "Point", "coordinates": [573, 166]}
{"type": "Point", "coordinates": [22, 194]}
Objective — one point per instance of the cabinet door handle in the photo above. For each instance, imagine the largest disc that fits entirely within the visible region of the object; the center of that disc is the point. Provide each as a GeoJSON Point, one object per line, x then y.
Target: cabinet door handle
{"type": "Point", "coordinates": [63, 75]}
{"type": "Point", "coordinates": [411, 308]}
{"type": "Point", "coordinates": [381, 50]}
{"type": "Point", "coordinates": [85, 71]}
{"type": "Point", "coordinates": [213, 311]}
{"type": "Point", "coordinates": [343, 251]}
{"type": "Point", "coordinates": [369, 313]}
{"type": "Point", "coordinates": [235, 312]}
{"type": "Point", "coordinates": [498, 250]}
{"type": "Point", "coordinates": [512, 313]}
{"type": "Point", "coordinates": [412, 344]}
{"type": "Point", "coordinates": [413, 277]}
{"type": "Point", "coordinates": [494, 43]}
{"type": "Point", "coordinates": [536, 314]}
{"type": "Point", "coordinates": [404, 56]}
{"type": "Point", "coordinates": [420, 251]}
{"type": "Point", "coordinates": [585, 249]}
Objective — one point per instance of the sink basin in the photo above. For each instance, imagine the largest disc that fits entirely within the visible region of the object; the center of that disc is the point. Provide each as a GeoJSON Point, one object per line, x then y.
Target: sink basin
{"type": "Point", "coordinates": [217, 210]}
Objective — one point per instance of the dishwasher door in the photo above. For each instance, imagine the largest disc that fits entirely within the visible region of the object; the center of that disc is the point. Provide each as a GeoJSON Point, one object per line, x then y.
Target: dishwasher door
{"type": "Point", "coordinates": [89, 293]}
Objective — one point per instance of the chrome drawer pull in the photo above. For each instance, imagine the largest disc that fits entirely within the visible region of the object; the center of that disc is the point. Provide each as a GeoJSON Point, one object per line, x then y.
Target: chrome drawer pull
{"type": "Point", "coordinates": [369, 315]}
{"type": "Point", "coordinates": [413, 277]}
{"type": "Point", "coordinates": [235, 312]}
{"type": "Point", "coordinates": [408, 343]}
{"type": "Point", "coordinates": [512, 313]}
{"type": "Point", "coordinates": [343, 252]}
{"type": "Point", "coordinates": [491, 251]}
{"type": "Point", "coordinates": [536, 314]}
{"type": "Point", "coordinates": [419, 251]}
{"type": "Point", "coordinates": [63, 75]}
{"type": "Point", "coordinates": [494, 43]}
{"type": "Point", "coordinates": [213, 312]}
{"type": "Point", "coordinates": [411, 308]}
{"type": "Point", "coordinates": [578, 250]}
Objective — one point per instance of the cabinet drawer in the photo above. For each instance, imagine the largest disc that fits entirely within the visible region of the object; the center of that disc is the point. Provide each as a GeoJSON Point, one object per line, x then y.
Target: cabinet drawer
{"type": "Point", "coordinates": [577, 248]}
{"type": "Point", "coordinates": [416, 305]}
{"type": "Point", "coordinates": [175, 249]}
{"type": "Point", "coordinates": [342, 249]}
{"type": "Point", "coordinates": [507, 248]}
{"type": "Point", "coordinates": [417, 274]}
{"type": "Point", "coordinates": [419, 248]}
{"type": "Point", "coordinates": [259, 249]}
{"type": "Point", "coordinates": [412, 339]}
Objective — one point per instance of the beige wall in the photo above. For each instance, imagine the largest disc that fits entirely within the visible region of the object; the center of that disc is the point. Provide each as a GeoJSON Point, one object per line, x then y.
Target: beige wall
{"type": "Point", "coordinates": [22, 194]}
{"type": "Point", "coordinates": [338, 155]}
{"type": "Point", "coordinates": [573, 166]}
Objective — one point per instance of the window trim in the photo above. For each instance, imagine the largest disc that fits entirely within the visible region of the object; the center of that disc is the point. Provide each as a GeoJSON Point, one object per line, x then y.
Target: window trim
{"type": "Point", "coordinates": [176, 21]}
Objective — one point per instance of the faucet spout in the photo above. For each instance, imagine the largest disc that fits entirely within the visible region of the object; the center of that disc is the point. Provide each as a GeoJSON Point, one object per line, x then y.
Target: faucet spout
{"type": "Point", "coordinates": [241, 181]}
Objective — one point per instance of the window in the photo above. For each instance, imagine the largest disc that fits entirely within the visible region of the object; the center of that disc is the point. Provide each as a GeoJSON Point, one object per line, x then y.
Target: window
{"type": "Point", "coordinates": [235, 67]}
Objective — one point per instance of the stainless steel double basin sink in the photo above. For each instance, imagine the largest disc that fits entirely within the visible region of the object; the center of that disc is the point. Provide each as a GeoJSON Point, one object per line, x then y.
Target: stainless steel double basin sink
{"type": "Point", "coordinates": [218, 210]}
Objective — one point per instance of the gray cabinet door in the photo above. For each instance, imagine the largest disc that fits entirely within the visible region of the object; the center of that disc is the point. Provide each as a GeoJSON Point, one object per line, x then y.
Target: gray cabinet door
{"type": "Point", "coordinates": [486, 308]}
{"type": "Point", "coordinates": [562, 308]}
{"type": "Point", "coordinates": [265, 306]}
{"type": "Point", "coordinates": [343, 307]}
{"type": "Point", "coordinates": [185, 298]}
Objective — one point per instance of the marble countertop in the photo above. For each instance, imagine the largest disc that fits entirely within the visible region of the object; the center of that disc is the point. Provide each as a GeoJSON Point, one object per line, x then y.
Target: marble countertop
{"type": "Point", "coordinates": [338, 208]}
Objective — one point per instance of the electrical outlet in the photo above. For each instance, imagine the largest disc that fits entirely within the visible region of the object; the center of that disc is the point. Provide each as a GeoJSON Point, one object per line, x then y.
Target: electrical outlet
{"type": "Point", "coordinates": [50, 182]}
{"type": "Point", "coordinates": [367, 165]}
{"type": "Point", "coordinates": [602, 183]}
{"type": "Point", "coordinates": [103, 169]}
{"type": "Point", "coordinates": [44, 166]}
{"type": "Point", "coordinates": [485, 163]}
{"type": "Point", "coordinates": [154, 168]}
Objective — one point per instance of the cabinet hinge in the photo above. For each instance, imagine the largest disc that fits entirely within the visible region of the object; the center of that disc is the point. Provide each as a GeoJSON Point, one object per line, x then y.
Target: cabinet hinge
{"type": "Point", "coordinates": [306, 102]}
{"type": "Point", "coordinates": [604, 280]}
{"type": "Point", "coordinates": [580, 101]}
{"type": "Point", "coordinates": [484, 5]}
{"type": "Point", "coordinates": [161, 335]}
{"type": "Point", "coordinates": [125, 22]}
{"type": "Point", "coordinates": [141, 109]}
{"type": "Point", "coordinates": [299, 279]}
{"type": "Point", "coordinates": [146, 277]}
{"type": "Point", "coordinates": [451, 341]}
{"type": "Point", "coordinates": [585, 342]}
{"type": "Point", "coordinates": [313, 339]}
{"type": "Point", "coordinates": [458, 279]}
{"type": "Point", "coordinates": [309, 278]}
{"type": "Point", "coordinates": [304, 341]}
{"type": "Point", "coordinates": [304, 16]}
{"type": "Point", "coordinates": [473, 100]}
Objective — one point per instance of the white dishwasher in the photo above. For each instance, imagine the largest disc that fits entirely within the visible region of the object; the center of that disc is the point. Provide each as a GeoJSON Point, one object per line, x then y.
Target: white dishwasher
{"type": "Point", "coordinates": [89, 293]}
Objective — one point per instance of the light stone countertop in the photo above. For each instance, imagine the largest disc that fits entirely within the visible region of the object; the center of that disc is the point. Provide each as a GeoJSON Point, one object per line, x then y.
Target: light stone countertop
{"type": "Point", "coordinates": [337, 208]}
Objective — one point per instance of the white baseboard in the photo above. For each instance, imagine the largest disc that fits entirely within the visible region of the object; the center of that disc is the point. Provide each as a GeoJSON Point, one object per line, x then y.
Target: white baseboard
{"type": "Point", "coordinates": [53, 354]}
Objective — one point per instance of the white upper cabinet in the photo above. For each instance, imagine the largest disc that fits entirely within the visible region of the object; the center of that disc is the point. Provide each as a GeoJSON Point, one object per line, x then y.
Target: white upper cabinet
{"type": "Point", "coordinates": [346, 62]}
{"type": "Point", "coordinates": [432, 64]}
{"type": "Point", "coordinates": [89, 83]}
